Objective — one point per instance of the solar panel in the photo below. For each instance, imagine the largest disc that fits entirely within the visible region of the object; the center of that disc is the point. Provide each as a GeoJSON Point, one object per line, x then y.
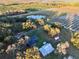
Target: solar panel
{"type": "Point", "coordinates": [70, 21]}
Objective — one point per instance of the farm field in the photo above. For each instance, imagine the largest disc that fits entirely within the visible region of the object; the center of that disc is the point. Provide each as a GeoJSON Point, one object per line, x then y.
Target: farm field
{"type": "Point", "coordinates": [48, 6]}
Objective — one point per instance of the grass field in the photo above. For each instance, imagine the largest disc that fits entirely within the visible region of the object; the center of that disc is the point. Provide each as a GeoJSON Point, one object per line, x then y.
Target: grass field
{"type": "Point", "coordinates": [19, 7]}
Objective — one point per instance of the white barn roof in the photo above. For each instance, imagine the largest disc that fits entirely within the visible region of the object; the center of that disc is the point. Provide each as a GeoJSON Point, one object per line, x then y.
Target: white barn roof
{"type": "Point", "coordinates": [46, 49]}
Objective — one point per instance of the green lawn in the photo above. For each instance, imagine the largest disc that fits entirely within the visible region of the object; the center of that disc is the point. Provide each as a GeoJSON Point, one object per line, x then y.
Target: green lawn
{"type": "Point", "coordinates": [42, 37]}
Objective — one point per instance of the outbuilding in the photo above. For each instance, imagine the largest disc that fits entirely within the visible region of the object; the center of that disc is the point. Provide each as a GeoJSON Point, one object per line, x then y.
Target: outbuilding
{"type": "Point", "coordinates": [46, 49]}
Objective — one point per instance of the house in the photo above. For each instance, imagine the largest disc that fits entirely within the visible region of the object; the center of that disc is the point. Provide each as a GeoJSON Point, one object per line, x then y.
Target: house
{"type": "Point", "coordinates": [46, 49]}
{"type": "Point", "coordinates": [32, 40]}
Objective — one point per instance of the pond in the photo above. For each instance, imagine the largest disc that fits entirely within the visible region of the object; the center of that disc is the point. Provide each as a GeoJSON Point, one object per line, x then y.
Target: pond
{"type": "Point", "coordinates": [36, 16]}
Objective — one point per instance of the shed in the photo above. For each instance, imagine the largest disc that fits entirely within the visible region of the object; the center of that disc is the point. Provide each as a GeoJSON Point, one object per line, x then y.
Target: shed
{"type": "Point", "coordinates": [19, 35]}
{"type": "Point", "coordinates": [46, 49]}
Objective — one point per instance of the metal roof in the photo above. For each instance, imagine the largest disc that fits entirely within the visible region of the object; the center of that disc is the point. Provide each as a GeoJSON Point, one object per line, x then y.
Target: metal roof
{"type": "Point", "coordinates": [32, 40]}
{"type": "Point", "coordinates": [46, 49]}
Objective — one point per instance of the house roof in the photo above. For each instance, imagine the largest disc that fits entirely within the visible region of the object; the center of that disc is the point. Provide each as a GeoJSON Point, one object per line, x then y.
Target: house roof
{"type": "Point", "coordinates": [32, 40]}
{"type": "Point", "coordinates": [46, 49]}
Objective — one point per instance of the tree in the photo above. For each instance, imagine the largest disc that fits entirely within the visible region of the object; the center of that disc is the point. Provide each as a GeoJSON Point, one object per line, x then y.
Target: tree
{"type": "Point", "coordinates": [62, 47]}
{"type": "Point", "coordinates": [31, 10]}
{"type": "Point", "coordinates": [75, 39]}
{"type": "Point", "coordinates": [28, 25]}
{"type": "Point", "coordinates": [10, 39]}
{"type": "Point", "coordinates": [56, 25]}
{"type": "Point", "coordinates": [40, 21]}
{"type": "Point", "coordinates": [46, 27]}
{"type": "Point", "coordinates": [32, 53]}
{"type": "Point", "coordinates": [52, 31]}
{"type": "Point", "coordinates": [1, 45]}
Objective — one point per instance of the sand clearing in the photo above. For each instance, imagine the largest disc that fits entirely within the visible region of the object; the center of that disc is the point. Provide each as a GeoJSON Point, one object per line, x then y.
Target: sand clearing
{"type": "Point", "coordinates": [68, 9]}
